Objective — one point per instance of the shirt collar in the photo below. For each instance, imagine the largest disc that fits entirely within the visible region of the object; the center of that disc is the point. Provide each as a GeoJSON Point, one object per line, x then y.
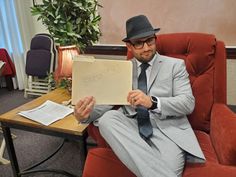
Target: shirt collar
{"type": "Point", "coordinates": [150, 62]}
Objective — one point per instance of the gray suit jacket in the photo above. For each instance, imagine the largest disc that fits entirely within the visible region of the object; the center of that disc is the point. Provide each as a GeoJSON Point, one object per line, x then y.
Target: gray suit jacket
{"type": "Point", "coordinates": [170, 83]}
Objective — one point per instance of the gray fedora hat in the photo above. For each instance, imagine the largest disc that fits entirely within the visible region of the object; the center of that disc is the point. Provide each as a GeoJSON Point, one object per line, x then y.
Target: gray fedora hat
{"type": "Point", "coordinates": [139, 27]}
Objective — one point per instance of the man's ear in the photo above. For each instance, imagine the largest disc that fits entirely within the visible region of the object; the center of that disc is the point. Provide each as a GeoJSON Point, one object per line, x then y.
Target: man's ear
{"type": "Point", "coordinates": [128, 45]}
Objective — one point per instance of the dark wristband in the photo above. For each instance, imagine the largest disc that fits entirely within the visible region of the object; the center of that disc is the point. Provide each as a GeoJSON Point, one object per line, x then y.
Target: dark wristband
{"type": "Point", "coordinates": [154, 102]}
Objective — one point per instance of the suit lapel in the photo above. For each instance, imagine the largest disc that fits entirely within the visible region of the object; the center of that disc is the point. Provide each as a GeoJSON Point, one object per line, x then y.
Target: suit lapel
{"type": "Point", "coordinates": [155, 70]}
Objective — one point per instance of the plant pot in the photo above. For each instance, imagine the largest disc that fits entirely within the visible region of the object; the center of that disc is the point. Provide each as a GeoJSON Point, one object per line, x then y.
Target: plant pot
{"type": "Point", "coordinates": [65, 56]}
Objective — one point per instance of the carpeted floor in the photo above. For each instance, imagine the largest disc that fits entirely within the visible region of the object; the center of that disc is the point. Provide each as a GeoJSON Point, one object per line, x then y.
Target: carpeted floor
{"type": "Point", "coordinates": [11, 99]}
{"type": "Point", "coordinates": [31, 147]}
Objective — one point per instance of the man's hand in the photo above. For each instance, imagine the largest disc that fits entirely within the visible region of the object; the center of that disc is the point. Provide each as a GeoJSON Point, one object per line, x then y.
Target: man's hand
{"type": "Point", "coordinates": [138, 98]}
{"type": "Point", "coordinates": [83, 108]}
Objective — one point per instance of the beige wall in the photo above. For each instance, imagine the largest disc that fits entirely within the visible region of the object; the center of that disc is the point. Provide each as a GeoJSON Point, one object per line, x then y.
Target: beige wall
{"type": "Point", "coordinates": [209, 16]}
{"type": "Point", "coordinates": [29, 26]}
{"type": "Point", "coordinates": [231, 82]}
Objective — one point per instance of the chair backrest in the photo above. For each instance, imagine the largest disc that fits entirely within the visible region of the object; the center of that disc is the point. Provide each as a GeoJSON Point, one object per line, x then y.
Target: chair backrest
{"type": "Point", "coordinates": [9, 67]}
{"type": "Point", "coordinates": [205, 60]}
{"type": "Point", "coordinates": [40, 57]}
{"type": "Point", "coordinates": [54, 49]}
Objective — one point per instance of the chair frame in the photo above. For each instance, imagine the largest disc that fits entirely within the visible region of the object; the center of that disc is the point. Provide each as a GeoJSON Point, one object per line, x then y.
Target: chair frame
{"type": "Point", "coordinates": [2, 149]}
{"type": "Point", "coordinates": [37, 86]}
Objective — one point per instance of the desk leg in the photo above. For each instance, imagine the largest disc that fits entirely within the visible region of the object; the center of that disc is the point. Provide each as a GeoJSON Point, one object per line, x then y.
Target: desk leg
{"type": "Point", "coordinates": [83, 149]}
{"type": "Point", "coordinates": [11, 150]}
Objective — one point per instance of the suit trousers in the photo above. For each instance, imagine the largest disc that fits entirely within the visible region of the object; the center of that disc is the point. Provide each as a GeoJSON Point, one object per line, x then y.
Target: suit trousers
{"type": "Point", "coordinates": [162, 159]}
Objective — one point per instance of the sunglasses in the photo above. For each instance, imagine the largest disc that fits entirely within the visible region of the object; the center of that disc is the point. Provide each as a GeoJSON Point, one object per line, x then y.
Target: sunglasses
{"type": "Point", "coordinates": [139, 44]}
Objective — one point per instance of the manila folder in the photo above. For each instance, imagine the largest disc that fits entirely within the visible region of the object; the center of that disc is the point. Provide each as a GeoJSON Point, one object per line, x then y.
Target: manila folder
{"type": "Point", "coordinates": [109, 81]}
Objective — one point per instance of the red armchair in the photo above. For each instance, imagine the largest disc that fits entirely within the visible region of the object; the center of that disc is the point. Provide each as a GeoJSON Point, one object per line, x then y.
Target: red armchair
{"type": "Point", "coordinates": [9, 70]}
{"type": "Point", "coordinates": [213, 122]}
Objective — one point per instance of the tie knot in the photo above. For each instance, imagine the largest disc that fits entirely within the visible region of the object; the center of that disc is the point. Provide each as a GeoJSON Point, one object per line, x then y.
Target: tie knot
{"type": "Point", "coordinates": [144, 66]}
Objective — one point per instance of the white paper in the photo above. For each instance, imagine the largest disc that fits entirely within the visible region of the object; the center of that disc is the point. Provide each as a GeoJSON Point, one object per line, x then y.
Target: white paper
{"type": "Point", "coordinates": [47, 113]}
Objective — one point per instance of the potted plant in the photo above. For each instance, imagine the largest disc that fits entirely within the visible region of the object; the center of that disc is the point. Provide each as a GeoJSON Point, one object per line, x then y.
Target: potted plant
{"type": "Point", "coordinates": [70, 22]}
{"type": "Point", "coordinates": [74, 24]}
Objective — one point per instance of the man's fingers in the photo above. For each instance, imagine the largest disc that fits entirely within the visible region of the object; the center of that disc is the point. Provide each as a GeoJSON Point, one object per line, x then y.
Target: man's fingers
{"type": "Point", "coordinates": [136, 97]}
{"type": "Point", "coordinates": [86, 111]}
{"type": "Point", "coordinates": [88, 108]}
{"type": "Point", "coordinates": [132, 96]}
{"type": "Point", "coordinates": [84, 107]}
{"type": "Point", "coordinates": [78, 104]}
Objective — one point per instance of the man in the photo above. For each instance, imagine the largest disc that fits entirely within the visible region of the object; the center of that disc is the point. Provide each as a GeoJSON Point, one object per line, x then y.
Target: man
{"type": "Point", "coordinates": [152, 135]}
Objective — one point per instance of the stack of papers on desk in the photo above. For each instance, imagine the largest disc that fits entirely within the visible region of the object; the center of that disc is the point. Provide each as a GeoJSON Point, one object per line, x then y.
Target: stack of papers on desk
{"type": "Point", "coordinates": [47, 113]}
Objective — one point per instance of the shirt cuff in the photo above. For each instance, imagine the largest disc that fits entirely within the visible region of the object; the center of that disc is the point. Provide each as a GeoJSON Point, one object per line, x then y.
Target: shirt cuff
{"type": "Point", "coordinates": [158, 110]}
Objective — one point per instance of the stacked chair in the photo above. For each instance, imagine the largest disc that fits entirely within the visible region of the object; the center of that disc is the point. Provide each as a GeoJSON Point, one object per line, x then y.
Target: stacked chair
{"type": "Point", "coordinates": [3, 144]}
{"type": "Point", "coordinates": [41, 61]}
{"type": "Point", "coordinates": [2, 149]}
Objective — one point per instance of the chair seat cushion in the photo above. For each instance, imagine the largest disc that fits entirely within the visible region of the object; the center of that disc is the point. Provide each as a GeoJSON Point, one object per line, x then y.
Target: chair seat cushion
{"type": "Point", "coordinates": [38, 63]}
{"type": "Point", "coordinates": [103, 162]}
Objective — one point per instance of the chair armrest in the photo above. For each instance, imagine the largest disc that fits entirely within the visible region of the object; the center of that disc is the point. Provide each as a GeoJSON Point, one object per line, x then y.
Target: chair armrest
{"type": "Point", "coordinates": [93, 131]}
{"type": "Point", "coordinates": [222, 133]}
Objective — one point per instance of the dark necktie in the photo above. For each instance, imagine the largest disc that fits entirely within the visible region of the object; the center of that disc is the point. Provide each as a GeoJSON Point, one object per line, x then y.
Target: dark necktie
{"type": "Point", "coordinates": [143, 119]}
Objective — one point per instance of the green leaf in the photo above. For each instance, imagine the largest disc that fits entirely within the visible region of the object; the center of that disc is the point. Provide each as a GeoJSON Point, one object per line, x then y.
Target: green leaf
{"type": "Point", "coordinates": [70, 21]}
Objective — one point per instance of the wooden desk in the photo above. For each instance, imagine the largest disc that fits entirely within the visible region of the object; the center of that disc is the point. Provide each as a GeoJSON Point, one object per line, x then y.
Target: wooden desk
{"type": "Point", "coordinates": [67, 128]}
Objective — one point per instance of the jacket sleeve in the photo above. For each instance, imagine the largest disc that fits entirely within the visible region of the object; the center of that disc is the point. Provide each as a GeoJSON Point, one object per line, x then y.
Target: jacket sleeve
{"type": "Point", "coordinates": [182, 101]}
{"type": "Point", "coordinates": [97, 112]}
